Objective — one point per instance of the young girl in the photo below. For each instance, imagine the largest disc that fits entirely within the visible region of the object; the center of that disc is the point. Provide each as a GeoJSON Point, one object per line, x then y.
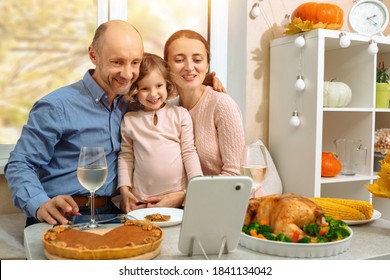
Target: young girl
{"type": "Point", "coordinates": [158, 154]}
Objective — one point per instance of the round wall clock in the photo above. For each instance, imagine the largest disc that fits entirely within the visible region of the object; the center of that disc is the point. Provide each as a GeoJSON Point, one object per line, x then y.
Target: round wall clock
{"type": "Point", "coordinates": [369, 17]}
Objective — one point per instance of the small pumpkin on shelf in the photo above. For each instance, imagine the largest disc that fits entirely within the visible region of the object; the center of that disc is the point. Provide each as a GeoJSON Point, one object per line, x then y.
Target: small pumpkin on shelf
{"type": "Point", "coordinates": [336, 94]}
{"type": "Point", "coordinates": [330, 165]}
{"type": "Point", "coordinates": [312, 15]}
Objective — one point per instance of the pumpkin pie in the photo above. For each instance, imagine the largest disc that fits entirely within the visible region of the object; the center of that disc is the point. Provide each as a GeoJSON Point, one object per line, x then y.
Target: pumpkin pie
{"type": "Point", "coordinates": [132, 240]}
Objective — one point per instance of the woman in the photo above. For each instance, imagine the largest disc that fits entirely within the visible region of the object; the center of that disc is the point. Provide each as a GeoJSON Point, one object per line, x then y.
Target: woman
{"type": "Point", "coordinates": [217, 120]}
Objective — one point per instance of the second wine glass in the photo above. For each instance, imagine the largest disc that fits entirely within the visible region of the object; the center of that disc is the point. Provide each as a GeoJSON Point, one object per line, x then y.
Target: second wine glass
{"type": "Point", "coordinates": [255, 165]}
{"type": "Point", "coordinates": [92, 173]}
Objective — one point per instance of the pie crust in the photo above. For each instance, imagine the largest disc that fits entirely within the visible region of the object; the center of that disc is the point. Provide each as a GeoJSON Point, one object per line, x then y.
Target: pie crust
{"type": "Point", "coordinates": [133, 239]}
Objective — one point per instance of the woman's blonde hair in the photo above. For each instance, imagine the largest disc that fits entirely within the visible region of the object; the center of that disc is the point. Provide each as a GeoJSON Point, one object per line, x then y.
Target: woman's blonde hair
{"type": "Point", "coordinates": [149, 63]}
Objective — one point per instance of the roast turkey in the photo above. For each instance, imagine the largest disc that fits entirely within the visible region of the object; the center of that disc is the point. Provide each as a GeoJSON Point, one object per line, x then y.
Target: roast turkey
{"type": "Point", "coordinates": [285, 213]}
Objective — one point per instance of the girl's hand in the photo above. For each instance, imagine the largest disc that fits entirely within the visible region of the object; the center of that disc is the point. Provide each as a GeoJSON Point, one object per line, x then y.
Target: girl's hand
{"type": "Point", "coordinates": [171, 200]}
{"type": "Point", "coordinates": [128, 201]}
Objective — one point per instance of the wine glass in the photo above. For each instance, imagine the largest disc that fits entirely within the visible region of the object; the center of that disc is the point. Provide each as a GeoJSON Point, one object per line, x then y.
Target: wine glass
{"type": "Point", "coordinates": [92, 173]}
{"type": "Point", "coordinates": [254, 165]}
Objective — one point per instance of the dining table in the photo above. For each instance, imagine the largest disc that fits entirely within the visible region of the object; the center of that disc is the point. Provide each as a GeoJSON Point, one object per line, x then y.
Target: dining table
{"type": "Point", "coordinates": [369, 241]}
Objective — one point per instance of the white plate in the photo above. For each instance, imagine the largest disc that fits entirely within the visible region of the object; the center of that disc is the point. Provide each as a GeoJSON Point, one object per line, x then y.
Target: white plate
{"type": "Point", "coordinates": [374, 217]}
{"type": "Point", "coordinates": [175, 213]}
{"type": "Point", "coordinates": [295, 250]}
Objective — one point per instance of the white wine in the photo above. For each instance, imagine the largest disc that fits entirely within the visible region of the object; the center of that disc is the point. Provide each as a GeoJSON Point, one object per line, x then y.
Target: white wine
{"type": "Point", "coordinates": [258, 173]}
{"type": "Point", "coordinates": [92, 178]}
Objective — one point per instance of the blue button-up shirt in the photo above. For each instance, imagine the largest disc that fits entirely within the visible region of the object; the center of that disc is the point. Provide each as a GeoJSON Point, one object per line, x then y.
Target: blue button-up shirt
{"type": "Point", "coordinates": [44, 161]}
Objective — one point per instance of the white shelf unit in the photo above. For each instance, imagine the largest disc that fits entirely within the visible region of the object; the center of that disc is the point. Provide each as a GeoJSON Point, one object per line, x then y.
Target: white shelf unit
{"type": "Point", "coordinates": [297, 151]}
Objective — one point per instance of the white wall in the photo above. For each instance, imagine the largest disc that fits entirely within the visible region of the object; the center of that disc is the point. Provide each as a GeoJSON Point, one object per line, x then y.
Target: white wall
{"type": "Point", "coordinates": [237, 64]}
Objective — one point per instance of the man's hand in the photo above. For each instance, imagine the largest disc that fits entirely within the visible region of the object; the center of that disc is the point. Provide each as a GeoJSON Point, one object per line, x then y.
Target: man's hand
{"type": "Point", "coordinates": [212, 80]}
{"type": "Point", "coordinates": [54, 210]}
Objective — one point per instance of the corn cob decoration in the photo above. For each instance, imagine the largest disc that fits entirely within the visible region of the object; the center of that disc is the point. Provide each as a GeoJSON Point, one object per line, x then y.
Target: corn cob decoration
{"type": "Point", "coordinates": [345, 209]}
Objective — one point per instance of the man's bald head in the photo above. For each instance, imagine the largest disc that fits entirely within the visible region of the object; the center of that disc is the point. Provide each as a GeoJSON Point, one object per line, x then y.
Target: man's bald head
{"type": "Point", "coordinates": [111, 29]}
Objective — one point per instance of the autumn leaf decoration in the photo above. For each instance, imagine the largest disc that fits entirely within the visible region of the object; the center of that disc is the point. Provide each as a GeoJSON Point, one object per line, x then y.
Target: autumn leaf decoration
{"type": "Point", "coordinates": [298, 25]}
{"type": "Point", "coordinates": [381, 186]}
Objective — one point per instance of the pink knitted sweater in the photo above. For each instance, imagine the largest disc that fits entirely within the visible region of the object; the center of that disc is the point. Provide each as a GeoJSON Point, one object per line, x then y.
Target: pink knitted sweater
{"type": "Point", "coordinates": [219, 133]}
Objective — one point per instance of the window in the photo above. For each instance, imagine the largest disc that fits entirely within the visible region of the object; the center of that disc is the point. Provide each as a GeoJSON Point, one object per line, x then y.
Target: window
{"type": "Point", "coordinates": [44, 46]}
{"type": "Point", "coordinates": [156, 20]}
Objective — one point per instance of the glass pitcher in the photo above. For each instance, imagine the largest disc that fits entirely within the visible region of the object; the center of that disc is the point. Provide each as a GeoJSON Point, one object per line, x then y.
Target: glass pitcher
{"type": "Point", "coordinates": [351, 154]}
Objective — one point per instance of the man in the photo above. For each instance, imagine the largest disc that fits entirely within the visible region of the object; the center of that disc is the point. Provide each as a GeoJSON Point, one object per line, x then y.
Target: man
{"type": "Point", "coordinates": [42, 169]}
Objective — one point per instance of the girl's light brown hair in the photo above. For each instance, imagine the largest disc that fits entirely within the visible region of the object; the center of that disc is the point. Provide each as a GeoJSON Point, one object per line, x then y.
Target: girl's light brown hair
{"type": "Point", "coordinates": [151, 62]}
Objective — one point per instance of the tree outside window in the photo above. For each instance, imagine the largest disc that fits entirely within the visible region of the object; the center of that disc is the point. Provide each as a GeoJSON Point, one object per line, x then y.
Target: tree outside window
{"type": "Point", "coordinates": [44, 46]}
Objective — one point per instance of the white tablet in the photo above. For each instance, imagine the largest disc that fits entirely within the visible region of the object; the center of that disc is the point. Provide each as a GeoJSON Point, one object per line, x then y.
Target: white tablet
{"type": "Point", "coordinates": [214, 213]}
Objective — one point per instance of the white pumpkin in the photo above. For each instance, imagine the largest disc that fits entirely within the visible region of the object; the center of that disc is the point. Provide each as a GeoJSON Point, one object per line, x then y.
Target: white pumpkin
{"type": "Point", "coordinates": [336, 94]}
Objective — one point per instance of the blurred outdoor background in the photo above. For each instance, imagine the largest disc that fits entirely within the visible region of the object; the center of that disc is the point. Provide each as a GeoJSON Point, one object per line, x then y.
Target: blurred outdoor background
{"type": "Point", "coordinates": [44, 46]}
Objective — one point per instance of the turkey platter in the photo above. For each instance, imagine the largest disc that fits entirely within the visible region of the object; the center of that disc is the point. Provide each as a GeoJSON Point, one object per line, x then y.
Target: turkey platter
{"type": "Point", "coordinates": [284, 213]}
{"type": "Point", "coordinates": [292, 225]}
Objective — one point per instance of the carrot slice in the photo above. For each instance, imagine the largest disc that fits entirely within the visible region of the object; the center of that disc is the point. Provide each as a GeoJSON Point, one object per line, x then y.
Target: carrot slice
{"type": "Point", "coordinates": [295, 236]}
{"type": "Point", "coordinates": [253, 232]}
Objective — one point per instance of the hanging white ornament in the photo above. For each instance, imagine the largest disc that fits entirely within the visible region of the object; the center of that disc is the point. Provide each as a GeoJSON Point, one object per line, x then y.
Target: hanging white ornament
{"type": "Point", "coordinates": [300, 84]}
{"type": "Point", "coordinates": [299, 41]}
{"type": "Point", "coordinates": [344, 40]}
{"type": "Point", "coordinates": [295, 121]}
{"type": "Point", "coordinates": [255, 12]}
{"type": "Point", "coordinates": [285, 20]}
{"type": "Point", "coordinates": [372, 47]}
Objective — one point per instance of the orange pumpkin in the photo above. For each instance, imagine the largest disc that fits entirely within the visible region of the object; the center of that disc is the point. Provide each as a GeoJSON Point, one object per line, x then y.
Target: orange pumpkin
{"type": "Point", "coordinates": [325, 13]}
{"type": "Point", "coordinates": [330, 165]}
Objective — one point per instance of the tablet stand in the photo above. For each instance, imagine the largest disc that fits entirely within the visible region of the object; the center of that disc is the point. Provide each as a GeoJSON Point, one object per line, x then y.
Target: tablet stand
{"type": "Point", "coordinates": [223, 248]}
